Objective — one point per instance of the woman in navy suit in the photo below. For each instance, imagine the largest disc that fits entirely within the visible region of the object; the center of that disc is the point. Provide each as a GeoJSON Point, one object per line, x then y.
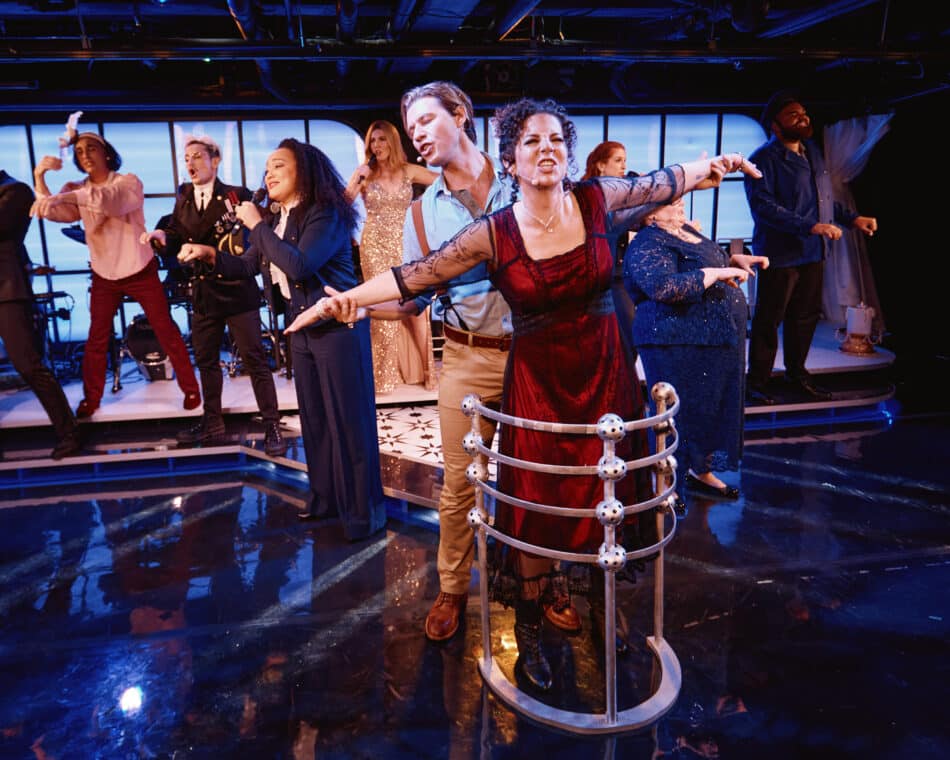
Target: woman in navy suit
{"type": "Point", "coordinates": [304, 248]}
{"type": "Point", "coordinates": [690, 331]}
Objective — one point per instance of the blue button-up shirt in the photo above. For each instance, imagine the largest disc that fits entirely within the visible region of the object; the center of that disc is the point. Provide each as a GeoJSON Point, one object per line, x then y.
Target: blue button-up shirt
{"type": "Point", "coordinates": [793, 195]}
{"type": "Point", "coordinates": [472, 295]}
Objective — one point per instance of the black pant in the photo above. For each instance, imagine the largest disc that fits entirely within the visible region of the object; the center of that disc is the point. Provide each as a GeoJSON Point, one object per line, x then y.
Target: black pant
{"type": "Point", "coordinates": [789, 295]}
{"type": "Point", "coordinates": [17, 333]}
{"type": "Point", "coordinates": [206, 336]}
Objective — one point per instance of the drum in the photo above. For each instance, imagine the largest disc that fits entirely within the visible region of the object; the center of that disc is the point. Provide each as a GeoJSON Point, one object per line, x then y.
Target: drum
{"type": "Point", "coordinates": [143, 346]}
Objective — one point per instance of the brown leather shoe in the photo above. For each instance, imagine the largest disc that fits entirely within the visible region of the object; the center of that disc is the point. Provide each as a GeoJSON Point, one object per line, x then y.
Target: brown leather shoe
{"type": "Point", "coordinates": [563, 616]}
{"type": "Point", "coordinates": [443, 619]}
{"type": "Point", "coordinates": [557, 606]}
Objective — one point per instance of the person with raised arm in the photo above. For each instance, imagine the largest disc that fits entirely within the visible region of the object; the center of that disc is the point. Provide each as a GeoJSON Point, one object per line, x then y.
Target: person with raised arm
{"type": "Point", "coordinates": [111, 207]}
{"type": "Point", "coordinates": [549, 258]}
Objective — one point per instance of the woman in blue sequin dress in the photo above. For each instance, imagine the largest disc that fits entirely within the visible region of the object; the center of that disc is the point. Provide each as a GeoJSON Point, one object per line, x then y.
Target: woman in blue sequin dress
{"type": "Point", "coordinates": [690, 331]}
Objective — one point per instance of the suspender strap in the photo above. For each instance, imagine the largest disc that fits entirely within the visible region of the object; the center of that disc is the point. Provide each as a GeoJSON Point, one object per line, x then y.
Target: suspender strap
{"type": "Point", "coordinates": [417, 222]}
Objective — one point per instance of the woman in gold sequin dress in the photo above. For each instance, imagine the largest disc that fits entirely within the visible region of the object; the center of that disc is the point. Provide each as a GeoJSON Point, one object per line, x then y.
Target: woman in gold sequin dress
{"type": "Point", "coordinates": [402, 347]}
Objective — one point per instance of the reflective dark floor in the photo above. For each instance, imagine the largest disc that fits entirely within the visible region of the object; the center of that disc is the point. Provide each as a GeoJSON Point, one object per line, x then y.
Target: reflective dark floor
{"type": "Point", "coordinates": [177, 615]}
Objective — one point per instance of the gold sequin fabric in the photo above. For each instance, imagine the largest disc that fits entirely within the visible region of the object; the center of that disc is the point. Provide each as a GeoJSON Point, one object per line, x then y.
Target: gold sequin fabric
{"type": "Point", "coordinates": [396, 357]}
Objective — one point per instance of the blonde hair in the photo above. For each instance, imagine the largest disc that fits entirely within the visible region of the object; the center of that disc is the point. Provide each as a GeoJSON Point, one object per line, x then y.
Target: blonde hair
{"type": "Point", "coordinates": [397, 155]}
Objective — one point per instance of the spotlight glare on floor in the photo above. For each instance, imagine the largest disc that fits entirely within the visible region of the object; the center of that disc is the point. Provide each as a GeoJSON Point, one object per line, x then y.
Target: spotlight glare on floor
{"type": "Point", "coordinates": [131, 700]}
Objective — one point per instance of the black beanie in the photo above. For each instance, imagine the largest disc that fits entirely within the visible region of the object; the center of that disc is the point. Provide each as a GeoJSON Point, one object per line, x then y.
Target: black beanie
{"type": "Point", "coordinates": [776, 103]}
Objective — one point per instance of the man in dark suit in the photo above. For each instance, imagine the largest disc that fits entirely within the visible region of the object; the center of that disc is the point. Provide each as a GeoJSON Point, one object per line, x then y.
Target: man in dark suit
{"type": "Point", "coordinates": [16, 315]}
{"type": "Point", "coordinates": [201, 215]}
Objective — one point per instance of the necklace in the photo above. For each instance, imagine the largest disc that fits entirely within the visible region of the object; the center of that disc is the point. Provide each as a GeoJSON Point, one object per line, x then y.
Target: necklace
{"type": "Point", "coordinates": [549, 225]}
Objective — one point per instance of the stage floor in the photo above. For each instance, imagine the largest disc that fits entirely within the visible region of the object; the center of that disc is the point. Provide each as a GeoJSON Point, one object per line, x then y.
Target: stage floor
{"type": "Point", "coordinates": [140, 399]}
{"type": "Point", "coordinates": [158, 602]}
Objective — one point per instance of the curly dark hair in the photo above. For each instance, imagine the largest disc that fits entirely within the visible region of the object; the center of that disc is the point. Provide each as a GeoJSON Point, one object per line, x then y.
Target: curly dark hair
{"type": "Point", "coordinates": [318, 181]}
{"type": "Point", "coordinates": [508, 124]}
{"type": "Point", "coordinates": [113, 159]}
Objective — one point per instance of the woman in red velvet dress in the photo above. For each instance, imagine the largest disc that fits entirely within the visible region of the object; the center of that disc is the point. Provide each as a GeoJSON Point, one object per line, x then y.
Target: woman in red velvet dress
{"type": "Point", "coordinates": [551, 260]}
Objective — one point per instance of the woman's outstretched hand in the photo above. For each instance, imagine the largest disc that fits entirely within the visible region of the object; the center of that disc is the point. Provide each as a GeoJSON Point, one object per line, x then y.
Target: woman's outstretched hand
{"type": "Point", "coordinates": [336, 305]}
{"type": "Point", "coordinates": [746, 261]}
{"type": "Point", "coordinates": [724, 164]}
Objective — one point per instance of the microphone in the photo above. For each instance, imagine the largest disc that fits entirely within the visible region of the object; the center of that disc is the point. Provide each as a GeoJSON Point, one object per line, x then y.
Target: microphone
{"type": "Point", "coordinates": [258, 196]}
{"type": "Point", "coordinates": [371, 163]}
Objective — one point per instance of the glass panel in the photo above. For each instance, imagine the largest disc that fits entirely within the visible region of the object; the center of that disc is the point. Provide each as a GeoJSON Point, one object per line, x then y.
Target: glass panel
{"type": "Point", "coordinates": [180, 315]}
{"type": "Point", "coordinates": [640, 135]}
{"type": "Point", "coordinates": [741, 133]}
{"type": "Point", "coordinates": [698, 208]}
{"type": "Point", "coordinates": [489, 138]}
{"type": "Point", "coordinates": [688, 136]}
{"type": "Point", "coordinates": [64, 252]}
{"type": "Point", "coordinates": [46, 143]}
{"type": "Point", "coordinates": [260, 140]}
{"type": "Point", "coordinates": [342, 144]}
{"type": "Point", "coordinates": [34, 243]}
{"type": "Point", "coordinates": [486, 140]}
{"type": "Point", "coordinates": [76, 302]}
{"type": "Point", "coordinates": [155, 209]}
{"type": "Point", "coordinates": [15, 153]}
{"type": "Point", "coordinates": [735, 219]}
{"type": "Point", "coordinates": [225, 134]}
{"type": "Point", "coordinates": [146, 152]}
{"type": "Point", "coordinates": [590, 134]}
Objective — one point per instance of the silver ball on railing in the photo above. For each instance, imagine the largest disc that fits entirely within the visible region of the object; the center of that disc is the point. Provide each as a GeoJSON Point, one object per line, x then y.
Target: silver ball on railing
{"type": "Point", "coordinates": [471, 441]}
{"type": "Point", "coordinates": [475, 517]}
{"type": "Point", "coordinates": [469, 403]}
{"type": "Point", "coordinates": [613, 559]}
{"type": "Point", "coordinates": [666, 466]}
{"type": "Point", "coordinates": [664, 392]}
{"type": "Point", "coordinates": [476, 472]}
{"type": "Point", "coordinates": [610, 512]}
{"type": "Point", "coordinates": [610, 427]}
{"type": "Point", "coordinates": [611, 468]}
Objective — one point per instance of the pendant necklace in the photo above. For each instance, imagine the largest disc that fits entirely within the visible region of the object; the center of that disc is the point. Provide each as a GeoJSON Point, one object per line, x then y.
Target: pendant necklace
{"type": "Point", "coordinates": [547, 226]}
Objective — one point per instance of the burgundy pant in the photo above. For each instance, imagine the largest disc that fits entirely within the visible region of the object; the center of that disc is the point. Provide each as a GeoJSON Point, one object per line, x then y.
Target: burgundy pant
{"type": "Point", "coordinates": [145, 288]}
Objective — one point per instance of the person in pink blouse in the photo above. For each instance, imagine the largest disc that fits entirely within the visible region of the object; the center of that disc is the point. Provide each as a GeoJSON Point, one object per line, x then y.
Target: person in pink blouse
{"type": "Point", "coordinates": [110, 206]}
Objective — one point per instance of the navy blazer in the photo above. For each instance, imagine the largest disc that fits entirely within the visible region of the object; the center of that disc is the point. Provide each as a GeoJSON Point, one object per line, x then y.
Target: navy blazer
{"type": "Point", "coordinates": [793, 194]}
{"type": "Point", "coordinates": [662, 275]}
{"type": "Point", "coordinates": [315, 251]}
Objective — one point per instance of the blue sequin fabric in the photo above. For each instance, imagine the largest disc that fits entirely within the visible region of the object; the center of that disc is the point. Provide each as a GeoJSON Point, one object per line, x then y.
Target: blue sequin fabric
{"type": "Point", "coordinates": [693, 338]}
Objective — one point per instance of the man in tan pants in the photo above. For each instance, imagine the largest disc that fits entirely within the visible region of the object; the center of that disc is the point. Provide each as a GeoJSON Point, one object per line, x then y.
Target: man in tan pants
{"type": "Point", "coordinates": [439, 120]}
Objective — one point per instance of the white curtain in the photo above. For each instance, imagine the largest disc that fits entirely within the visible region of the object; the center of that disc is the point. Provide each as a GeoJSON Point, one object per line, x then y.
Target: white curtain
{"type": "Point", "coordinates": [848, 279]}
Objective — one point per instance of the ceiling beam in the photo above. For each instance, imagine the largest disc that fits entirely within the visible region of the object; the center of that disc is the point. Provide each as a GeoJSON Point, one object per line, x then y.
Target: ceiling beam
{"type": "Point", "coordinates": [518, 10]}
{"type": "Point", "coordinates": [799, 22]}
{"type": "Point", "coordinates": [330, 50]}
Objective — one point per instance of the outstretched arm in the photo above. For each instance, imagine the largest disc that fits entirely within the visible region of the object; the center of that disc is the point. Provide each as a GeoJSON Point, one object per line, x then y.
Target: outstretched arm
{"type": "Point", "coordinates": [667, 184]}
{"type": "Point", "coordinates": [470, 247]}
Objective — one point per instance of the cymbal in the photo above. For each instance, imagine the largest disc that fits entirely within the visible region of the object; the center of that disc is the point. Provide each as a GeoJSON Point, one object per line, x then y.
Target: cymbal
{"type": "Point", "coordinates": [75, 232]}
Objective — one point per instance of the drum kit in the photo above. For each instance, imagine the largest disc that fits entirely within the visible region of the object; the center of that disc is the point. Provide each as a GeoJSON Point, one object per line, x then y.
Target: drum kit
{"type": "Point", "coordinates": [139, 341]}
